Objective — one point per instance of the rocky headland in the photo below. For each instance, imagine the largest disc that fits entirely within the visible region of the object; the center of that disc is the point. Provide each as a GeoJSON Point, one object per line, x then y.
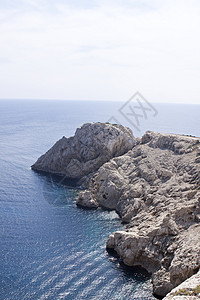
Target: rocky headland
{"type": "Point", "coordinates": [153, 183]}
{"type": "Point", "coordinates": [78, 157]}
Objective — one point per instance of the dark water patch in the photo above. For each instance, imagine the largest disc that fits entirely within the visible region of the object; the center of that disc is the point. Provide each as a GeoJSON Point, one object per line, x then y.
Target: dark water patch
{"type": "Point", "coordinates": [138, 272]}
{"type": "Point", "coordinates": [58, 179]}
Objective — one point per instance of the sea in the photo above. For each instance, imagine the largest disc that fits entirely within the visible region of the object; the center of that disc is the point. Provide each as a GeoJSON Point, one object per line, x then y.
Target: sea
{"type": "Point", "coordinates": [49, 247]}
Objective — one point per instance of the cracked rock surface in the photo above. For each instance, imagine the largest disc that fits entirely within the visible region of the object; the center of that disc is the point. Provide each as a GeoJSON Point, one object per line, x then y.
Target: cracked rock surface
{"type": "Point", "coordinates": [92, 145]}
{"type": "Point", "coordinates": [155, 188]}
{"type": "Point", "coordinates": [189, 289]}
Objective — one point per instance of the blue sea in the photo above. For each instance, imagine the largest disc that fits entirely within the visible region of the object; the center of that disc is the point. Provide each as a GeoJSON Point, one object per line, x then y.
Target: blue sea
{"type": "Point", "coordinates": [49, 248]}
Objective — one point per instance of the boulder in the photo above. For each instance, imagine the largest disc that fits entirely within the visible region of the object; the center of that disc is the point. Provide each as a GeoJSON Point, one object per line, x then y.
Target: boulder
{"type": "Point", "coordinates": [85, 200]}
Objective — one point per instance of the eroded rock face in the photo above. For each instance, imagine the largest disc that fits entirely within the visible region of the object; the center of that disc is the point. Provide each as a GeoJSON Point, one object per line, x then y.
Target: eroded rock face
{"type": "Point", "coordinates": [154, 185]}
{"type": "Point", "coordinates": [189, 289]}
{"type": "Point", "coordinates": [85, 200]}
{"type": "Point", "coordinates": [92, 146]}
{"type": "Point", "coordinates": [155, 188]}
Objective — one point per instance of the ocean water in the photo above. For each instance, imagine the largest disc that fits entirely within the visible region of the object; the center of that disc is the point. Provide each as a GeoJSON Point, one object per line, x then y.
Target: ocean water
{"type": "Point", "coordinates": [49, 248]}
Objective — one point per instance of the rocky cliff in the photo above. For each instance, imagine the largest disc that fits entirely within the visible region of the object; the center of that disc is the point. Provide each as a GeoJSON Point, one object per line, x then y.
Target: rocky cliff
{"type": "Point", "coordinates": [155, 188]}
{"type": "Point", "coordinates": [92, 145]}
{"type": "Point", "coordinates": [153, 183]}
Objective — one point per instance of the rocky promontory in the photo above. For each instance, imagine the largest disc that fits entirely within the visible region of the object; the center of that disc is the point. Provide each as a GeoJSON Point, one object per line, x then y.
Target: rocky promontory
{"type": "Point", "coordinates": [153, 183]}
{"type": "Point", "coordinates": [92, 145]}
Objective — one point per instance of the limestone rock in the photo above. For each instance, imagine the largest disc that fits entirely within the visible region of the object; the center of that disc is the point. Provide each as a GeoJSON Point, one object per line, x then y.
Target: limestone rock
{"type": "Point", "coordinates": [162, 284]}
{"type": "Point", "coordinates": [155, 188]}
{"type": "Point", "coordinates": [153, 183]}
{"type": "Point", "coordinates": [110, 242]}
{"type": "Point", "coordinates": [190, 287]}
{"type": "Point", "coordinates": [92, 146]}
{"type": "Point", "coordinates": [186, 260]}
{"type": "Point", "coordinates": [85, 200]}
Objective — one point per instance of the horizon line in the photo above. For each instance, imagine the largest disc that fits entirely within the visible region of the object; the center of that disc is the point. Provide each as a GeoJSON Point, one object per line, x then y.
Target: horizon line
{"type": "Point", "coordinates": [89, 100]}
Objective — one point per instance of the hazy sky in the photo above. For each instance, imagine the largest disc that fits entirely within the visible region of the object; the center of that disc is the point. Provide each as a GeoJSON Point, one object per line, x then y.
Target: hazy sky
{"type": "Point", "coordinates": [100, 49]}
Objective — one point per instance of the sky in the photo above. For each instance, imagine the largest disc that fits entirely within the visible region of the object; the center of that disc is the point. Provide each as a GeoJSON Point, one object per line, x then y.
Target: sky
{"type": "Point", "coordinates": [100, 49]}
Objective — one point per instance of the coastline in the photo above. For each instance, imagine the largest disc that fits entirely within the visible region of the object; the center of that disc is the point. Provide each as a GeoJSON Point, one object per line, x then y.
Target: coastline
{"type": "Point", "coordinates": [147, 189]}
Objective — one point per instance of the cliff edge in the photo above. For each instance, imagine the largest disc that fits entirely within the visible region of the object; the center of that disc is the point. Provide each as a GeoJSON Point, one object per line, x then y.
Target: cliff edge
{"type": "Point", "coordinates": [153, 183]}
{"type": "Point", "coordinates": [92, 145]}
{"type": "Point", "coordinates": [155, 188]}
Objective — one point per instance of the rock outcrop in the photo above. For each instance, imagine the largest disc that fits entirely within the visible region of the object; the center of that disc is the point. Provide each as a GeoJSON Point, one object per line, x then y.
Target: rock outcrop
{"type": "Point", "coordinates": [81, 155]}
{"type": "Point", "coordinates": [155, 188]}
{"type": "Point", "coordinates": [85, 200]}
{"type": "Point", "coordinates": [188, 290]}
{"type": "Point", "coordinates": [153, 183]}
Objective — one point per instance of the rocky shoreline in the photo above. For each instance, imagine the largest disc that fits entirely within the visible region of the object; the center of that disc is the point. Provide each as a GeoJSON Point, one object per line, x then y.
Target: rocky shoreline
{"type": "Point", "coordinates": [153, 183]}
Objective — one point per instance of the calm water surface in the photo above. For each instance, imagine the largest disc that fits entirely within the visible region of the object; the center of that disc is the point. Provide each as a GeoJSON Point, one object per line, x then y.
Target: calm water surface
{"type": "Point", "coordinates": [49, 248]}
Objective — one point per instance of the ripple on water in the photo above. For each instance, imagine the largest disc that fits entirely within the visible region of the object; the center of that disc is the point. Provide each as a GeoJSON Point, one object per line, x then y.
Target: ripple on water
{"type": "Point", "coordinates": [51, 249]}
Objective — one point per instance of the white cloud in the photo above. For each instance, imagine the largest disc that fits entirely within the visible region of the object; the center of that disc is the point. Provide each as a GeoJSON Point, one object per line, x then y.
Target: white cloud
{"type": "Point", "coordinates": [100, 49]}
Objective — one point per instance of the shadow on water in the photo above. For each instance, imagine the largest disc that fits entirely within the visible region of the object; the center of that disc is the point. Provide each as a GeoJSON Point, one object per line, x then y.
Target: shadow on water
{"type": "Point", "coordinates": [58, 179]}
{"type": "Point", "coordinates": [57, 190]}
{"type": "Point", "coordinates": [137, 272]}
